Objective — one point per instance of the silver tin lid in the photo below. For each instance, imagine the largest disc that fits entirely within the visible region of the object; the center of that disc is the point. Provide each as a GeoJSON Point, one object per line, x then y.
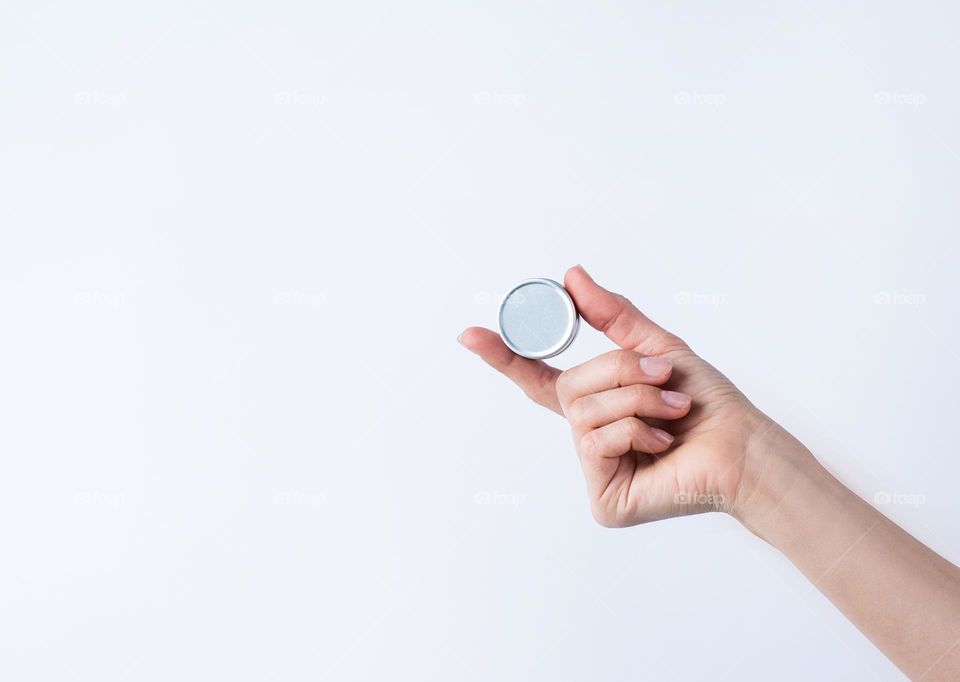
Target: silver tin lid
{"type": "Point", "coordinates": [537, 319]}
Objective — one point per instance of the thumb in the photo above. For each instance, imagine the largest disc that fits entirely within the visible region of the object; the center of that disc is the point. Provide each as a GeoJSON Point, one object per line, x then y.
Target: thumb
{"type": "Point", "coordinates": [617, 317]}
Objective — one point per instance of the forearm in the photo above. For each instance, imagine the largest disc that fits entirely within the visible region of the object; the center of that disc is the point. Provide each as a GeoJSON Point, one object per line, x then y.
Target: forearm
{"type": "Point", "coordinates": [898, 592]}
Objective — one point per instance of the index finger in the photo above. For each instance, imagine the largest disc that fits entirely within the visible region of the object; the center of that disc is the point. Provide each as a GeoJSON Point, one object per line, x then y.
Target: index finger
{"type": "Point", "coordinates": [537, 379]}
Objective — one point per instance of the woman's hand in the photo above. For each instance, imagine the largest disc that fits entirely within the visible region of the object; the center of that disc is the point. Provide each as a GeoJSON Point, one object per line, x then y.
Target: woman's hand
{"type": "Point", "coordinates": [625, 406]}
{"type": "Point", "coordinates": [659, 431]}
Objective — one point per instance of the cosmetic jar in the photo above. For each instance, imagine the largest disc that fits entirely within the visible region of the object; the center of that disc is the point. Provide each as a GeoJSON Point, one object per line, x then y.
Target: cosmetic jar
{"type": "Point", "coordinates": [538, 319]}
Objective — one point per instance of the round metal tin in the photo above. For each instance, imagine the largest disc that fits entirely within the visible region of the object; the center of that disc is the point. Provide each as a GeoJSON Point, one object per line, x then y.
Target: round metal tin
{"type": "Point", "coordinates": [538, 319]}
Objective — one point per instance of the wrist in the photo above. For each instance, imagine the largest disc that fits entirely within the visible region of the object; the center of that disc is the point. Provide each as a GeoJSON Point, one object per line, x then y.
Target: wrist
{"type": "Point", "coordinates": [788, 499]}
{"type": "Point", "coordinates": [778, 471]}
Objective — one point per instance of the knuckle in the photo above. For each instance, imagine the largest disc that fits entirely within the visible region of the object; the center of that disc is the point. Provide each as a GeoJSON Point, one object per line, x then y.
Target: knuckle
{"type": "Point", "coordinates": [623, 361]}
{"type": "Point", "coordinates": [639, 394]}
{"type": "Point", "coordinates": [635, 430]}
{"type": "Point", "coordinates": [589, 445]}
{"type": "Point", "coordinates": [576, 412]}
{"type": "Point", "coordinates": [604, 517]}
{"type": "Point", "coordinates": [673, 342]}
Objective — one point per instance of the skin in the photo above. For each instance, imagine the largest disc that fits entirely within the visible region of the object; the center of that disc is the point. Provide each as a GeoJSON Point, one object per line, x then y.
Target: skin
{"type": "Point", "coordinates": [660, 432]}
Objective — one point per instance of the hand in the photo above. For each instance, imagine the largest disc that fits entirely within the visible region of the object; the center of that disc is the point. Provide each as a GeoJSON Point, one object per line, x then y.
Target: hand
{"type": "Point", "coordinates": [659, 431]}
{"type": "Point", "coordinates": [701, 446]}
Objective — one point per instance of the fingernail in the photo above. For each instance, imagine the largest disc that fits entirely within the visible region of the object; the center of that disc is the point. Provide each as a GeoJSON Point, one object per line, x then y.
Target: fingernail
{"type": "Point", "coordinates": [654, 367]}
{"type": "Point", "coordinates": [460, 339]}
{"type": "Point", "coordinates": [674, 399]}
{"type": "Point", "coordinates": [662, 435]}
{"type": "Point", "coordinates": [584, 271]}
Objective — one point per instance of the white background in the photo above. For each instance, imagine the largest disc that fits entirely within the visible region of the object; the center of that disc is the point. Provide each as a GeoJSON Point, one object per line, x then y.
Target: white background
{"type": "Point", "coordinates": [239, 440]}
